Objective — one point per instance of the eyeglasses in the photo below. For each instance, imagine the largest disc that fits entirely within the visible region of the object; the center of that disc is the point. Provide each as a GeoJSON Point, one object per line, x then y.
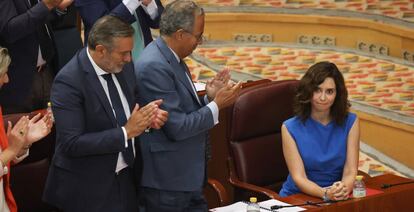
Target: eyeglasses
{"type": "Point", "coordinates": [199, 38]}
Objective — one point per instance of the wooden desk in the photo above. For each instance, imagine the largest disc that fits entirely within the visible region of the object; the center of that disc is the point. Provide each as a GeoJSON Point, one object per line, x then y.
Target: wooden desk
{"type": "Point", "coordinates": [396, 198]}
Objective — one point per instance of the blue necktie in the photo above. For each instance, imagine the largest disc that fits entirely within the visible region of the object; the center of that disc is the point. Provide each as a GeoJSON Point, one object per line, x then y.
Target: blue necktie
{"type": "Point", "coordinates": [120, 116]}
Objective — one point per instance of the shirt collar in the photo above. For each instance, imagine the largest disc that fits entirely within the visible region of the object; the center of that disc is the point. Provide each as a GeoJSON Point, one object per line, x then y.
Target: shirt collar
{"type": "Point", "coordinates": [97, 69]}
{"type": "Point", "coordinates": [175, 55]}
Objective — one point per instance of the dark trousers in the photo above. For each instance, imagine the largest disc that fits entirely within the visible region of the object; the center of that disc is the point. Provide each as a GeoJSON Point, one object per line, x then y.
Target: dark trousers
{"type": "Point", "coordinates": [123, 196]}
{"type": "Point", "coordinates": [171, 201]}
{"type": "Point", "coordinates": [38, 96]}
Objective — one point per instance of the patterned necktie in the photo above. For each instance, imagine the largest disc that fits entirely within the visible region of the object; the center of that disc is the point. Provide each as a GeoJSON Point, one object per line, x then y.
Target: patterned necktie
{"type": "Point", "coordinates": [138, 39]}
{"type": "Point", "coordinates": [121, 119]}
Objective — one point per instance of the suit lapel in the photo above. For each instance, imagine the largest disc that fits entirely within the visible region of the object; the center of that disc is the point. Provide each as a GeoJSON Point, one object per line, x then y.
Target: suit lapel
{"type": "Point", "coordinates": [178, 69]}
{"type": "Point", "coordinates": [96, 85]}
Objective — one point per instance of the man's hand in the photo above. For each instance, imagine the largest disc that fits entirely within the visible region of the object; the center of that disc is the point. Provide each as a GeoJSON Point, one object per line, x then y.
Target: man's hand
{"type": "Point", "coordinates": [146, 2]}
{"type": "Point", "coordinates": [141, 119]}
{"type": "Point", "coordinates": [50, 4]}
{"type": "Point", "coordinates": [218, 82]}
{"type": "Point", "coordinates": [160, 119]}
{"type": "Point", "coordinates": [64, 4]}
{"type": "Point", "coordinates": [227, 95]}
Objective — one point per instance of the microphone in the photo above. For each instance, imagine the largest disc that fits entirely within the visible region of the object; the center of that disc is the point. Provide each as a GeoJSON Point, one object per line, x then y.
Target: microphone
{"type": "Point", "coordinates": [385, 185]}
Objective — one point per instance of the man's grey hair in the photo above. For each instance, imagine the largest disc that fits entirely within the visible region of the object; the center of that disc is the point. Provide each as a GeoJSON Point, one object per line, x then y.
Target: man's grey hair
{"type": "Point", "coordinates": [106, 29]}
{"type": "Point", "coordinates": [179, 14]}
{"type": "Point", "coordinates": [5, 60]}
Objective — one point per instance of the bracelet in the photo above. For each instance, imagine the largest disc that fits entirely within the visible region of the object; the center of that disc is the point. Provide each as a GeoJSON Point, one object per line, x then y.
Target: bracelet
{"type": "Point", "coordinates": [4, 167]}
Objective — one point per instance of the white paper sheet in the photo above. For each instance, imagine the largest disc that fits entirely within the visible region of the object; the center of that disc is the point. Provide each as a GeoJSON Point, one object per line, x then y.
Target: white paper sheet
{"type": "Point", "coordinates": [200, 86]}
{"type": "Point", "coordinates": [241, 207]}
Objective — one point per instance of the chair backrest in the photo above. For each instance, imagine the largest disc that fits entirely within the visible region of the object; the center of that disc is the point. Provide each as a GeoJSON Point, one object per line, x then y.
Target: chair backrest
{"type": "Point", "coordinates": [28, 178]}
{"type": "Point", "coordinates": [255, 133]}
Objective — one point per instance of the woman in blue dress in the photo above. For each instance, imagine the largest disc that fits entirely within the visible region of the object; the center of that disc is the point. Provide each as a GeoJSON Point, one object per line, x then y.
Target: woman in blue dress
{"type": "Point", "coordinates": [321, 143]}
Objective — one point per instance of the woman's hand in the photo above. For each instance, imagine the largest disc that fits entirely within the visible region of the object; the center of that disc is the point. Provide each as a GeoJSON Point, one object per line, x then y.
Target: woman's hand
{"type": "Point", "coordinates": [17, 134]}
{"type": "Point", "coordinates": [338, 191]}
{"type": "Point", "coordinates": [38, 128]}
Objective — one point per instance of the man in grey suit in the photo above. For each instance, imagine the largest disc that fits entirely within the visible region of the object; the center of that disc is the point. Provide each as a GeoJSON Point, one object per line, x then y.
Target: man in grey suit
{"type": "Point", "coordinates": [174, 158]}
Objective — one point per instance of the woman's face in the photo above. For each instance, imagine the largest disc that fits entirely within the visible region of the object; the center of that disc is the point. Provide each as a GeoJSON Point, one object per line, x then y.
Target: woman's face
{"type": "Point", "coordinates": [324, 96]}
{"type": "Point", "coordinates": [4, 78]}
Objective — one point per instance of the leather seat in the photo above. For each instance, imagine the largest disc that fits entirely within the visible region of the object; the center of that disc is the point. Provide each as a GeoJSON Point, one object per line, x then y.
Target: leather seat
{"type": "Point", "coordinates": [256, 162]}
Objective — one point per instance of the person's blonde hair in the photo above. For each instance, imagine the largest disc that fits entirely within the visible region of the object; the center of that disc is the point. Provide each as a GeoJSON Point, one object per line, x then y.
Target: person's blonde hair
{"type": "Point", "coordinates": [4, 60]}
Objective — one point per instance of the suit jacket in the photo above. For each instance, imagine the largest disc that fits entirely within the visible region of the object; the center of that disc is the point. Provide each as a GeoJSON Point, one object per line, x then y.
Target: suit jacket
{"type": "Point", "coordinates": [18, 24]}
{"type": "Point", "coordinates": [92, 10]}
{"type": "Point", "coordinates": [173, 157]}
{"type": "Point", "coordinates": [88, 140]}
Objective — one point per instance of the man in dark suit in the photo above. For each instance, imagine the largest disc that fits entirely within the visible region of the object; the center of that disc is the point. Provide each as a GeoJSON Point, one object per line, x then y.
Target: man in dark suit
{"type": "Point", "coordinates": [175, 158]}
{"type": "Point", "coordinates": [97, 123]}
{"type": "Point", "coordinates": [147, 12]}
{"type": "Point", "coordinates": [25, 32]}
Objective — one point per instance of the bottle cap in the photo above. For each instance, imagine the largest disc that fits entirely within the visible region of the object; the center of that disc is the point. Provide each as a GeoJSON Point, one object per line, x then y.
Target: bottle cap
{"type": "Point", "coordinates": [359, 177]}
{"type": "Point", "coordinates": [253, 199]}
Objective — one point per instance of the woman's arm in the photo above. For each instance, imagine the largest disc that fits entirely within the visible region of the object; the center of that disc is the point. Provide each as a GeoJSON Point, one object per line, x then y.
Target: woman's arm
{"type": "Point", "coordinates": [296, 168]}
{"type": "Point", "coordinates": [352, 157]}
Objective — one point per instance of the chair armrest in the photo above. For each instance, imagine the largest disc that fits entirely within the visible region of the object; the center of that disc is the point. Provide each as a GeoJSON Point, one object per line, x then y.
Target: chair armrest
{"type": "Point", "coordinates": [220, 191]}
{"type": "Point", "coordinates": [257, 189]}
{"type": "Point", "coordinates": [247, 186]}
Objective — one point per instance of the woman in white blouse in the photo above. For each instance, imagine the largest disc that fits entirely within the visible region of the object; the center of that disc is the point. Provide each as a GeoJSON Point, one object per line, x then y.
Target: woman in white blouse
{"type": "Point", "coordinates": [15, 142]}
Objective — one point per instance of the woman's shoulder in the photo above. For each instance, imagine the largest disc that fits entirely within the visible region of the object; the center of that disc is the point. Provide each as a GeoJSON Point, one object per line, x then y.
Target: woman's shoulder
{"type": "Point", "coordinates": [293, 121]}
{"type": "Point", "coordinates": [350, 120]}
{"type": "Point", "coordinates": [351, 117]}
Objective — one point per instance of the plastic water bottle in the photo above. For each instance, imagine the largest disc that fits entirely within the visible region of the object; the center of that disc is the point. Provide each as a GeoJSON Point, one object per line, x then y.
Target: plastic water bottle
{"type": "Point", "coordinates": [359, 187]}
{"type": "Point", "coordinates": [49, 110]}
{"type": "Point", "coordinates": [252, 206]}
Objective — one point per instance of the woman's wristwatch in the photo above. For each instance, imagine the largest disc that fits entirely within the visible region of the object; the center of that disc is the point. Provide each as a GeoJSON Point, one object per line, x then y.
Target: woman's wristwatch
{"type": "Point", "coordinates": [325, 196]}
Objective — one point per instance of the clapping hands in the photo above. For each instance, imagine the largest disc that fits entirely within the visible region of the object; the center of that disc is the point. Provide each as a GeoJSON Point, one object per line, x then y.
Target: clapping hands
{"type": "Point", "coordinates": [219, 81]}
{"type": "Point", "coordinates": [27, 131]}
{"type": "Point", "coordinates": [223, 91]}
{"type": "Point", "coordinates": [38, 127]}
{"type": "Point", "coordinates": [16, 135]}
{"type": "Point", "coordinates": [142, 118]}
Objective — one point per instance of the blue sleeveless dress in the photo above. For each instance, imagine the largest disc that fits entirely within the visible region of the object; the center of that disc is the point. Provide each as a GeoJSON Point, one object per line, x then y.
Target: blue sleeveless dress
{"type": "Point", "coordinates": [322, 149]}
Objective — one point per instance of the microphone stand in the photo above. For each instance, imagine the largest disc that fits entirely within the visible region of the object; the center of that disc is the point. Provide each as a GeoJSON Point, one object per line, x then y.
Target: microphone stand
{"type": "Point", "coordinates": [317, 204]}
{"type": "Point", "coordinates": [385, 186]}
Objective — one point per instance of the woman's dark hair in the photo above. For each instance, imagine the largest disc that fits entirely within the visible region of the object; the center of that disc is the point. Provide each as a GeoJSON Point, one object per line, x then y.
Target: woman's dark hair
{"type": "Point", "coordinates": [309, 83]}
